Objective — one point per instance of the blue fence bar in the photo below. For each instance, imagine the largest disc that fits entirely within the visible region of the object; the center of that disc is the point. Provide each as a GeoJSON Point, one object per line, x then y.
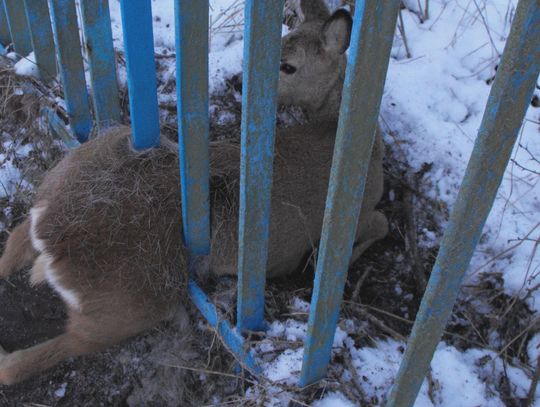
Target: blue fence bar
{"type": "Point", "coordinates": [230, 336]}
{"type": "Point", "coordinates": [371, 42]}
{"type": "Point", "coordinates": [192, 101]}
{"type": "Point", "coordinates": [59, 128]}
{"type": "Point", "coordinates": [5, 36]}
{"type": "Point", "coordinates": [18, 26]}
{"type": "Point", "coordinates": [508, 101]}
{"type": "Point", "coordinates": [262, 50]}
{"type": "Point", "coordinates": [101, 58]}
{"type": "Point", "coordinates": [39, 23]}
{"type": "Point", "coordinates": [141, 68]}
{"type": "Point", "coordinates": [68, 48]}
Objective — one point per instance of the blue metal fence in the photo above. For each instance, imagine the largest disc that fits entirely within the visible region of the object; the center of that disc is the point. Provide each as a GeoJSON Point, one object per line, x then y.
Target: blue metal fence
{"type": "Point", "coordinates": [372, 36]}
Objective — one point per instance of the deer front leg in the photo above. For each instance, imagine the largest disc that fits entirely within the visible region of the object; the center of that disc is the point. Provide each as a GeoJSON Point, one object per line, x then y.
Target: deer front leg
{"type": "Point", "coordinates": [373, 227]}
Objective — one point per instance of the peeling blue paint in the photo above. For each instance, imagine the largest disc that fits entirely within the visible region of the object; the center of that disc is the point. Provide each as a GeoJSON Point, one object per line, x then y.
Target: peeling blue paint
{"type": "Point", "coordinates": [262, 50]}
{"type": "Point", "coordinates": [101, 58]}
{"type": "Point", "coordinates": [39, 24]}
{"type": "Point", "coordinates": [5, 36]}
{"type": "Point", "coordinates": [192, 99]}
{"type": "Point", "coordinates": [18, 27]}
{"type": "Point", "coordinates": [141, 70]}
{"type": "Point", "coordinates": [68, 49]}
{"type": "Point", "coordinates": [371, 42]}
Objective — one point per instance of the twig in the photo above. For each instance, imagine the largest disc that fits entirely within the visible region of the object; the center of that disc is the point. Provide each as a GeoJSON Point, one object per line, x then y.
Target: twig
{"type": "Point", "coordinates": [524, 168]}
{"type": "Point", "coordinates": [213, 372]}
{"type": "Point", "coordinates": [531, 325]}
{"type": "Point", "coordinates": [359, 283]}
{"type": "Point", "coordinates": [420, 12]}
{"type": "Point", "coordinates": [401, 28]}
{"type": "Point", "coordinates": [376, 321]}
{"type": "Point", "coordinates": [534, 384]}
{"type": "Point", "coordinates": [411, 241]}
{"type": "Point", "coordinates": [354, 373]}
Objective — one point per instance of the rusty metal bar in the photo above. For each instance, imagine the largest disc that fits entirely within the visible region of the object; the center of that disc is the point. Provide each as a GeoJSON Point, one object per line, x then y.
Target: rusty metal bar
{"type": "Point", "coordinates": [39, 24]}
{"type": "Point", "coordinates": [262, 50]}
{"type": "Point", "coordinates": [96, 22]}
{"type": "Point", "coordinates": [507, 104]}
{"type": "Point", "coordinates": [18, 27]}
{"type": "Point", "coordinates": [141, 69]}
{"type": "Point", "coordinates": [192, 100]}
{"type": "Point", "coordinates": [371, 42]}
{"type": "Point", "coordinates": [68, 48]}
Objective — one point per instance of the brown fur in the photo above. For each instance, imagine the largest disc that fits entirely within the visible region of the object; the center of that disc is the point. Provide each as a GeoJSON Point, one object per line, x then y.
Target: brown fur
{"type": "Point", "coordinates": [106, 227]}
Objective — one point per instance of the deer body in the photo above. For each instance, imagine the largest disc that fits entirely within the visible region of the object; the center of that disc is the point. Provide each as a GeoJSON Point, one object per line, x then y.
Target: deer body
{"type": "Point", "coordinates": [106, 227]}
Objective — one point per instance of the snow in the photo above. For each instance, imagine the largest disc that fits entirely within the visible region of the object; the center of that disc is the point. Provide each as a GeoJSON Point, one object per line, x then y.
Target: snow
{"type": "Point", "coordinates": [333, 400]}
{"type": "Point", "coordinates": [61, 391]}
{"type": "Point", "coordinates": [458, 379]}
{"type": "Point", "coordinates": [533, 349]}
{"type": "Point", "coordinates": [27, 66]}
{"type": "Point", "coordinates": [435, 102]}
{"type": "Point", "coordinates": [10, 176]}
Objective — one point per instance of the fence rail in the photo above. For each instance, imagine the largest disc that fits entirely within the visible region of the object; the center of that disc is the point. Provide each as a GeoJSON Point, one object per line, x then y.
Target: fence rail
{"type": "Point", "coordinates": [28, 28]}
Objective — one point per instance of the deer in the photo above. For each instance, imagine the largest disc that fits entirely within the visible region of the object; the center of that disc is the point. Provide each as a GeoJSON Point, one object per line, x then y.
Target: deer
{"type": "Point", "coordinates": [105, 229]}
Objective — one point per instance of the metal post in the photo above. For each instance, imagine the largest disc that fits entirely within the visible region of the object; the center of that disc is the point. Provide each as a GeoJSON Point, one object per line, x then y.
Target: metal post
{"type": "Point", "coordinates": [192, 100]}
{"type": "Point", "coordinates": [39, 24]}
{"type": "Point", "coordinates": [508, 101]}
{"type": "Point", "coordinates": [101, 58]}
{"type": "Point", "coordinates": [18, 27]}
{"type": "Point", "coordinates": [5, 36]}
{"type": "Point", "coordinates": [371, 42]}
{"type": "Point", "coordinates": [262, 50]}
{"type": "Point", "coordinates": [141, 68]}
{"type": "Point", "coordinates": [68, 48]}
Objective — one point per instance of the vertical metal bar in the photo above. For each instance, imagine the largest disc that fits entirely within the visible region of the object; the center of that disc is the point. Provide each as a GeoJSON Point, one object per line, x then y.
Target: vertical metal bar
{"type": "Point", "coordinates": [141, 69]}
{"type": "Point", "coordinates": [100, 52]}
{"type": "Point", "coordinates": [68, 48]}
{"type": "Point", "coordinates": [262, 50]}
{"type": "Point", "coordinates": [192, 99]}
{"type": "Point", "coordinates": [5, 36]}
{"type": "Point", "coordinates": [508, 101]}
{"type": "Point", "coordinates": [39, 24]}
{"type": "Point", "coordinates": [18, 27]}
{"type": "Point", "coordinates": [371, 42]}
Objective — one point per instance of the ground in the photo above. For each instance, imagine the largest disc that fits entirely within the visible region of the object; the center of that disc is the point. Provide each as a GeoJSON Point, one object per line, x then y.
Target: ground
{"type": "Point", "coordinates": [439, 77]}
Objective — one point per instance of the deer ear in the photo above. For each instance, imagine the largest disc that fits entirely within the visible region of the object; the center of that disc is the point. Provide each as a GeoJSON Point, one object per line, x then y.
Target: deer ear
{"type": "Point", "coordinates": [336, 32]}
{"type": "Point", "coordinates": [314, 10]}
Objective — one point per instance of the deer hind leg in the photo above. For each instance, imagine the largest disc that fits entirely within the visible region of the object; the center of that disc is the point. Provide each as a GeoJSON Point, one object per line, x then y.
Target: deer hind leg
{"type": "Point", "coordinates": [19, 251]}
{"type": "Point", "coordinates": [21, 364]}
{"type": "Point", "coordinates": [373, 227]}
{"type": "Point", "coordinates": [82, 336]}
{"type": "Point", "coordinates": [103, 321]}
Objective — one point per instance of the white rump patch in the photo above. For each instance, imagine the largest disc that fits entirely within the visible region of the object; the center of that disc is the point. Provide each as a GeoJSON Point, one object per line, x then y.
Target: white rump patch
{"type": "Point", "coordinates": [43, 265]}
{"type": "Point", "coordinates": [35, 215]}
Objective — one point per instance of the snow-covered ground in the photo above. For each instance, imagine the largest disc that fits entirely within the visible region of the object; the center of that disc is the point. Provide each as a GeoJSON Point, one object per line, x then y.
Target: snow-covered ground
{"type": "Point", "coordinates": [431, 111]}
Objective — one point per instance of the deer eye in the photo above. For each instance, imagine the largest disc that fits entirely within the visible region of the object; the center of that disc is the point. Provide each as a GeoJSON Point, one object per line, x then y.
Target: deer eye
{"type": "Point", "coordinates": [287, 69]}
